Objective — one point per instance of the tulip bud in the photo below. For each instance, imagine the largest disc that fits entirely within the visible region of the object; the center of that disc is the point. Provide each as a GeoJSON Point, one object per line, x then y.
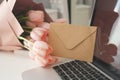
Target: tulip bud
{"type": "Point", "coordinates": [39, 34]}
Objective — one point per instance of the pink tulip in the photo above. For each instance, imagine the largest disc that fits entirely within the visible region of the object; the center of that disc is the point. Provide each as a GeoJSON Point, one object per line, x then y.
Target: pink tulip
{"type": "Point", "coordinates": [41, 48]}
{"type": "Point", "coordinates": [30, 24]}
{"type": "Point", "coordinates": [40, 52]}
{"type": "Point", "coordinates": [47, 61]}
{"type": "Point", "coordinates": [32, 56]}
{"type": "Point", "coordinates": [39, 34]}
{"type": "Point", "coordinates": [41, 61]}
{"type": "Point", "coordinates": [49, 50]}
{"type": "Point", "coordinates": [61, 20]}
{"type": "Point", "coordinates": [36, 17]}
{"type": "Point", "coordinates": [51, 60]}
{"type": "Point", "coordinates": [45, 25]}
{"type": "Point", "coordinates": [44, 61]}
{"type": "Point", "coordinates": [38, 59]}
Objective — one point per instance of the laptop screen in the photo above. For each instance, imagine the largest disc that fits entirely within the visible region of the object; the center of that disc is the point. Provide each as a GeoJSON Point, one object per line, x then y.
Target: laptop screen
{"type": "Point", "coordinates": [106, 17]}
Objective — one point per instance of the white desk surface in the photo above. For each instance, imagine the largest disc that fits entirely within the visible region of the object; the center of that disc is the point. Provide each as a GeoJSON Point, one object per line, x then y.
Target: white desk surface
{"type": "Point", "coordinates": [12, 65]}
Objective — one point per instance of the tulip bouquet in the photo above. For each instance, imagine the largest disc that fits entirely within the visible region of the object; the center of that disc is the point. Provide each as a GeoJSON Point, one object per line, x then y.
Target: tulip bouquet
{"type": "Point", "coordinates": [36, 29]}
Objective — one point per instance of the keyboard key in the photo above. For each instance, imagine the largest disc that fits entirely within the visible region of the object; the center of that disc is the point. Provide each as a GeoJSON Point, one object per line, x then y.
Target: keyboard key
{"type": "Point", "coordinates": [88, 76]}
{"type": "Point", "coordinates": [75, 79]}
{"type": "Point", "coordinates": [79, 75]}
{"type": "Point", "coordinates": [72, 76]}
{"type": "Point", "coordinates": [64, 77]}
{"type": "Point", "coordinates": [68, 72]}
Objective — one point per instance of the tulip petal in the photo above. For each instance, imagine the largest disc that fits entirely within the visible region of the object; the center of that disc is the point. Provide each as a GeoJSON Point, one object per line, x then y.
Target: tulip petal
{"type": "Point", "coordinates": [40, 45]}
{"type": "Point", "coordinates": [61, 20]}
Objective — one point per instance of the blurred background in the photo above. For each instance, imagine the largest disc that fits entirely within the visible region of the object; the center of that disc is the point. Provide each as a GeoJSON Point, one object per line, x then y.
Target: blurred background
{"type": "Point", "coordinates": [75, 11]}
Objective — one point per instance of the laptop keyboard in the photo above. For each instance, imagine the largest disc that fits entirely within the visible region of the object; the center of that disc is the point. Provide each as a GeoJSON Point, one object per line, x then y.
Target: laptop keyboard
{"type": "Point", "coordinates": [77, 70]}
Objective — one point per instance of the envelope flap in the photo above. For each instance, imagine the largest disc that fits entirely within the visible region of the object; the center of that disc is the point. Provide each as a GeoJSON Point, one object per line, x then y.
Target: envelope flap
{"type": "Point", "coordinates": [72, 35]}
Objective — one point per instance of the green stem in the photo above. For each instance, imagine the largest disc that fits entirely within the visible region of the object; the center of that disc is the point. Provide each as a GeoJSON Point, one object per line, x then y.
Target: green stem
{"type": "Point", "coordinates": [23, 19]}
{"type": "Point", "coordinates": [27, 27]}
{"type": "Point", "coordinates": [27, 31]}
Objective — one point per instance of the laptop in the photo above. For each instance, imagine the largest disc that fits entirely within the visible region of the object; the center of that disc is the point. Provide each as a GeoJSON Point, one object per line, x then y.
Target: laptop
{"type": "Point", "coordinates": [103, 66]}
